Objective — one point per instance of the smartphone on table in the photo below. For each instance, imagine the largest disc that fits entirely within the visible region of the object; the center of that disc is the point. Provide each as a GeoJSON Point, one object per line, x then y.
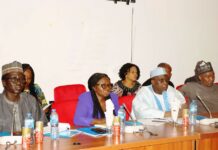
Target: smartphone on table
{"type": "Point", "coordinates": [99, 130]}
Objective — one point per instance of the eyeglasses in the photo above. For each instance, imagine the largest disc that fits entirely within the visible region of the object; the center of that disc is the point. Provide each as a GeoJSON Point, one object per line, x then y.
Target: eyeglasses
{"type": "Point", "coordinates": [15, 80]}
{"type": "Point", "coordinates": [104, 86]}
{"type": "Point", "coordinates": [8, 144]}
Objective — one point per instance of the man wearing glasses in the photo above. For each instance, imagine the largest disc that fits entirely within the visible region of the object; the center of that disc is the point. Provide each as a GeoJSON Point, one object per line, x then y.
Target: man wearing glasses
{"type": "Point", "coordinates": [14, 105]}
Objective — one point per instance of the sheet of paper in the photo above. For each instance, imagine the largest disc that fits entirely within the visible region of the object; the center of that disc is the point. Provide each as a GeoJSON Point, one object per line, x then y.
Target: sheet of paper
{"type": "Point", "coordinates": [61, 127]}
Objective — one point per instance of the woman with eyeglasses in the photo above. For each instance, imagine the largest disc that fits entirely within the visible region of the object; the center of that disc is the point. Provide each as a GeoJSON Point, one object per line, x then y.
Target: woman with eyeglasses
{"type": "Point", "coordinates": [128, 85]}
{"type": "Point", "coordinates": [92, 105]}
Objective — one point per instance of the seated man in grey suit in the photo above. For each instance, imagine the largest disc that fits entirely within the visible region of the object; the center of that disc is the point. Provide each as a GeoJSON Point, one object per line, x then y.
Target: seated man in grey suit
{"type": "Point", "coordinates": [14, 105]}
{"type": "Point", "coordinates": [203, 87]}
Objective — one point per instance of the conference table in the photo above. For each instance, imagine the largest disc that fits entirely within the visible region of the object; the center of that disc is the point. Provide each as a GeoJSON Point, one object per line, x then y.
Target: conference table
{"type": "Point", "coordinates": [169, 137]}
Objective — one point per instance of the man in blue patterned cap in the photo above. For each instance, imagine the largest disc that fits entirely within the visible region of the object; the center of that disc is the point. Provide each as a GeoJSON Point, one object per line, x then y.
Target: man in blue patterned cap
{"type": "Point", "coordinates": [204, 87]}
{"type": "Point", "coordinates": [154, 101]}
{"type": "Point", "coordinates": [14, 104]}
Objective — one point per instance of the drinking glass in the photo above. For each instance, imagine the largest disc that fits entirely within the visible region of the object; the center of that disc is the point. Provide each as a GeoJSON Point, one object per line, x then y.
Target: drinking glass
{"type": "Point", "coordinates": [109, 117]}
{"type": "Point", "coordinates": [174, 111]}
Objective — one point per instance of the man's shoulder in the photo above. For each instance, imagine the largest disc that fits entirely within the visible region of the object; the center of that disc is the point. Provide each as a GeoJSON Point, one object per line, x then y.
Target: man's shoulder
{"type": "Point", "coordinates": [190, 85]}
{"type": "Point", "coordinates": [1, 95]}
{"type": "Point", "coordinates": [193, 84]}
{"type": "Point", "coordinates": [144, 90]}
{"type": "Point", "coordinates": [171, 89]}
{"type": "Point", "coordinates": [28, 97]}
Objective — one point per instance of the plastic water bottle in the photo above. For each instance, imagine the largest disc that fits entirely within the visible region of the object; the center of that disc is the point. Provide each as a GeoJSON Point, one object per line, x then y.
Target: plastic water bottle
{"type": "Point", "coordinates": [29, 123]}
{"type": "Point", "coordinates": [122, 115]}
{"type": "Point", "coordinates": [193, 112]}
{"type": "Point", "coordinates": [54, 125]}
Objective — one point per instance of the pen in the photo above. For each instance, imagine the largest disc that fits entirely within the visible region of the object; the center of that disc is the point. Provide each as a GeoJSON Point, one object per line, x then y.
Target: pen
{"type": "Point", "coordinates": [159, 121]}
{"type": "Point", "coordinates": [159, 118]}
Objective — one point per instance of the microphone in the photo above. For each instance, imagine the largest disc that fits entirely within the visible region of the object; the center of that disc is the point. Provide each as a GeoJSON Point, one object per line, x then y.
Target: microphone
{"type": "Point", "coordinates": [135, 128]}
{"type": "Point", "coordinates": [126, 109]}
{"type": "Point", "coordinates": [207, 108]}
{"type": "Point", "coordinates": [207, 121]}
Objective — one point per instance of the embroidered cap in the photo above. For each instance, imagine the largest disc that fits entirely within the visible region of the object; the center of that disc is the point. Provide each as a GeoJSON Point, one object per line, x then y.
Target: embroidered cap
{"type": "Point", "coordinates": [202, 67]}
{"type": "Point", "coordinates": [157, 72]}
{"type": "Point", "coordinates": [12, 67]}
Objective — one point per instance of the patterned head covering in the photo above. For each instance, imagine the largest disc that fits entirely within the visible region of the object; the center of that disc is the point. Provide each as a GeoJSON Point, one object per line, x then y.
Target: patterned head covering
{"type": "Point", "coordinates": [202, 67]}
{"type": "Point", "coordinates": [12, 67]}
{"type": "Point", "coordinates": [157, 72]}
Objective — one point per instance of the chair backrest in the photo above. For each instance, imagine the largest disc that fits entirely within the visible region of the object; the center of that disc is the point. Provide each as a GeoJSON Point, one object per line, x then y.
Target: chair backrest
{"type": "Point", "coordinates": [186, 98]}
{"type": "Point", "coordinates": [68, 92]}
{"type": "Point", "coordinates": [65, 110]}
{"type": "Point", "coordinates": [127, 100]}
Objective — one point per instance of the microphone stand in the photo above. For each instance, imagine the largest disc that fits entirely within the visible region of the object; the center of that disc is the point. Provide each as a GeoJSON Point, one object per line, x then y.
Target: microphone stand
{"type": "Point", "coordinates": [135, 123]}
{"type": "Point", "coordinates": [124, 106]}
{"type": "Point", "coordinates": [201, 100]}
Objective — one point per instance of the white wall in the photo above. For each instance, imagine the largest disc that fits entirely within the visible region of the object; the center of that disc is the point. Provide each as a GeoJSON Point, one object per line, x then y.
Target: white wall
{"type": "Point", "coordinates": [180, 32]}
{"type": "Point", "coordinates": [67, 40]}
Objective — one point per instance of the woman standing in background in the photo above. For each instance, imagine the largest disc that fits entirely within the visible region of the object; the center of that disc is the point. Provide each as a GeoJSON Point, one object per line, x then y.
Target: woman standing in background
{"type": "Point", "coordinates": [128, 85]}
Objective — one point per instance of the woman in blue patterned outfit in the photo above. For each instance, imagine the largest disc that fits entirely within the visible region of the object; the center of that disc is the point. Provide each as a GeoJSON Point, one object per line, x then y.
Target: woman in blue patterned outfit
{"type": "Point", "coordinates": [31, 87]}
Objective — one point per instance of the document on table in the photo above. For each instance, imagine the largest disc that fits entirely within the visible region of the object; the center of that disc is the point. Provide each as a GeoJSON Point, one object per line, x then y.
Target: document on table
{"type": "Point", "coordinates": [66, 133]}
{"type": "Point", "coordinates": [61, 127]}
{"type": "Point", "coordinates": [155, 121]}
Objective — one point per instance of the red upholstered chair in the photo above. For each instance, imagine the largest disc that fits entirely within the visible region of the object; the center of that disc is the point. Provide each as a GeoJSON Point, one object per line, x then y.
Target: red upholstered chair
{"type": "Point", "coordinates": [68, 92]}
{"type": "Point", "coordinates": [65, 110]}
{"type": "Point", "coordinates": [179, 86]}
{"type": "Point", "coordinates": [65, 101]}
{"type": "Point", "coordinates": [127, 100]}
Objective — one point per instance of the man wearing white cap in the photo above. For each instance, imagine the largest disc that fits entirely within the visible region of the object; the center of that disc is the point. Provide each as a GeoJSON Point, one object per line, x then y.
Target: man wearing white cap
{"type": "Point", "coordinates": [154, 101]}
{"type": "Point", "coordinates": [14, 105]}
